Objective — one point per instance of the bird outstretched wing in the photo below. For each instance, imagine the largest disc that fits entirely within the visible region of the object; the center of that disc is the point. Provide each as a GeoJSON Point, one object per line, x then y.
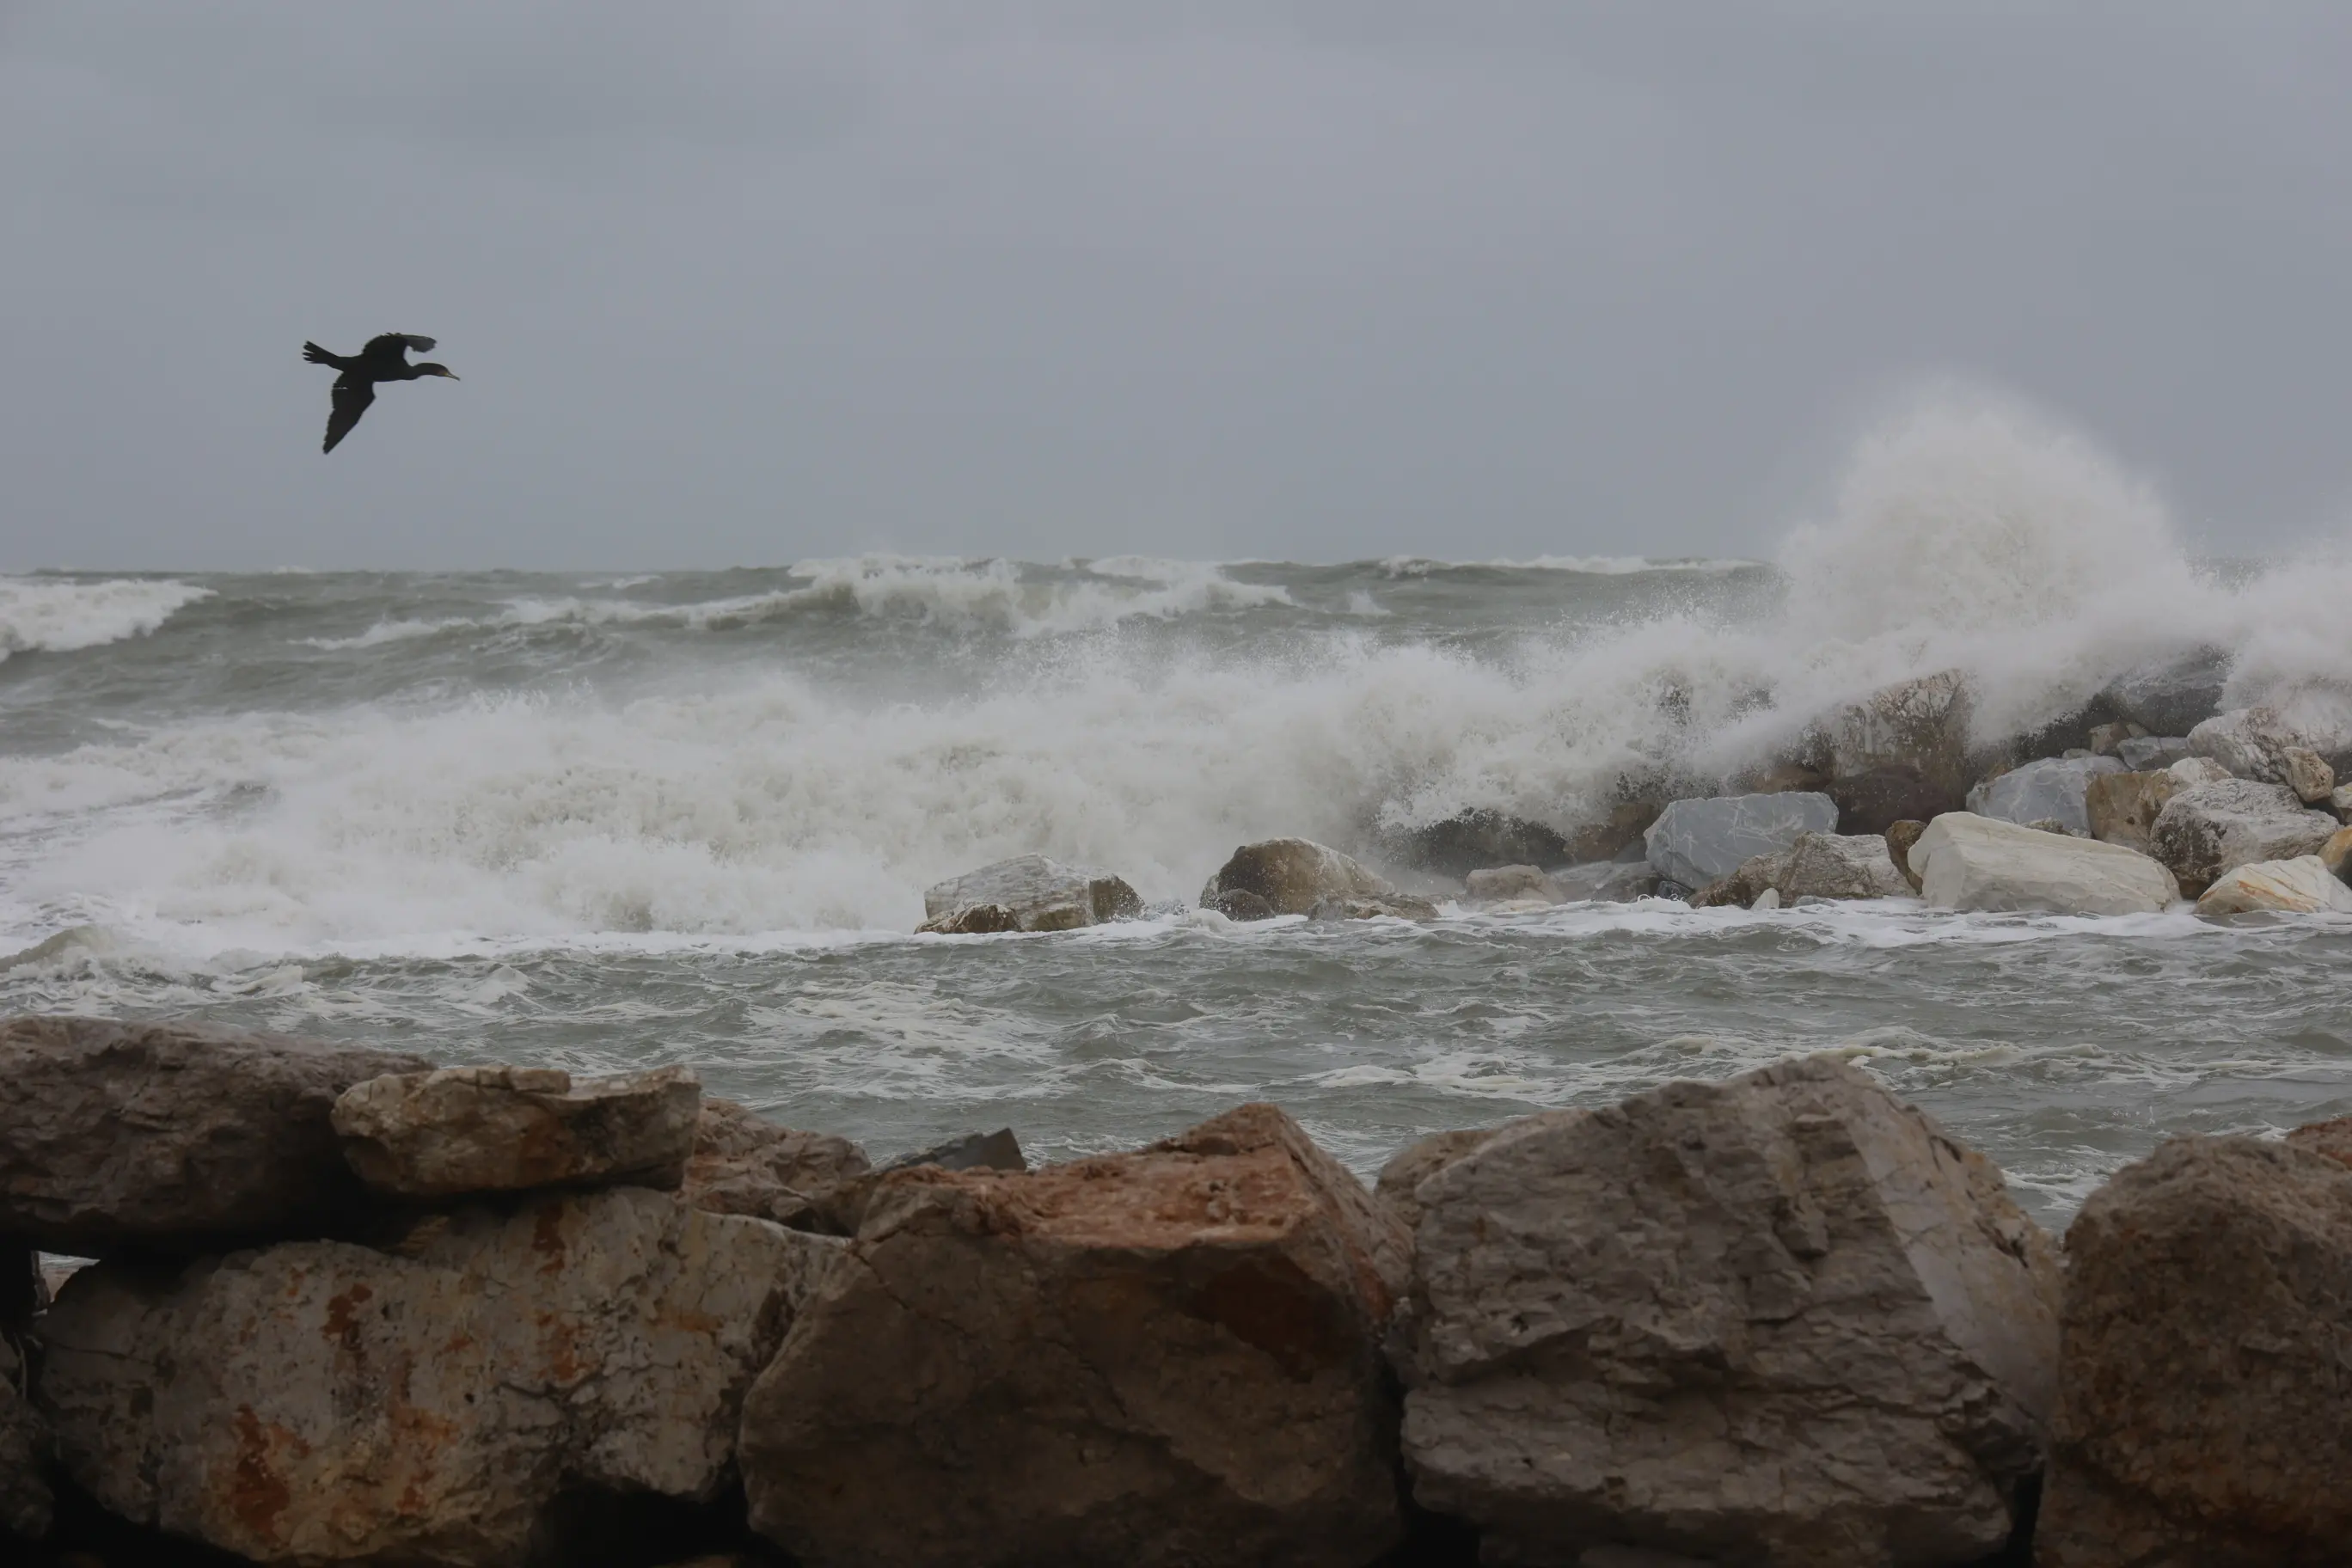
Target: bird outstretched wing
{"type": "Point", "coordinates": [352, 399]}
{"type": "Point", "coordinates": [393, 342]}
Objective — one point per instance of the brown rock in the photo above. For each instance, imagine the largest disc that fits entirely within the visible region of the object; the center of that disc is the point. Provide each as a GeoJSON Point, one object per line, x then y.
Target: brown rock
{"type": "Point", "coordinates": [173, 1137]}
{"type": "Point", "coordinates": [1756, 876]}
{"type": "Point", "coordinates": [2205, 1400]}
{"type": "Point", "coordinates": [1292, 875]}
{"type": "Point", "coordinates": [745, 1164]}
{"type": "Point", "coordinates": [1158, 1358]}
{"type": "Point", "coordinates": [500, 1129]}
{"type": "Point", "coordinates": [1900, 838]}
{"type": "Point", "coordinates": [2333, 1138]}
{"type": "Point", "coordinates": [2337, 854]}
{"type": "Point", "coordinates": [971, 919]}
{"type": "Point", "coordinates": [318, 1401]}
{"type": "Point", "coordinates": [2122, 807]}
{"type": "Point", "coordinates": [1392, 906]}
{"type": "Point", "coordinates": [1874, 801]}
{"type": "Point", "coordinates": [2307, 774]}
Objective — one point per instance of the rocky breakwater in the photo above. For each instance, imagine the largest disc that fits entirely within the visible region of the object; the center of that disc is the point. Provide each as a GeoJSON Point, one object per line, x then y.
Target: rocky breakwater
{"type": "Point", "coordinates": [1782, 1320]}
{"type": "Point", "coordinates": [1028, 892]}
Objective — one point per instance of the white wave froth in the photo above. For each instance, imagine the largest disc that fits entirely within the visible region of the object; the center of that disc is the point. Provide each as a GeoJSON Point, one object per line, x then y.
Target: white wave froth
{"type": "Point", "coordinates": [58, 615]}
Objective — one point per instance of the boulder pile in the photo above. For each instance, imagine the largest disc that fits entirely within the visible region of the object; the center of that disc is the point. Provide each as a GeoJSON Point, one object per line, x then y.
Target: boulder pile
{"type": "Point", "coordinates": [1782, 1321]}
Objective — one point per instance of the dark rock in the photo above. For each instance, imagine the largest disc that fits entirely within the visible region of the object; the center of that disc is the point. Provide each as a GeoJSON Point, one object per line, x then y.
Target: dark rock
{"type": "Point", "coordinates": [1292, 874]}
{"type": "Point", "coordinates": [1394, 906]}
{"type": "Point", "coordinates": [175, 1137]}
{"type": "Point", "coordinates": [1239, 904]}
{"type": "Point", "coordinates": [1874, 801]}
{"type": "Point", "coordinates": [997, 1150]}
{"type": "Point", "coordinates": [2170, 697]}
{"type": "Point", "coordinates": [1900, 838]}
{"type": "Point", "coordinates": [27, 1499]}
{"type": "Point", "coordinates": [1463, 843]}
{"type": "Point", "coordinates": [972, 920]}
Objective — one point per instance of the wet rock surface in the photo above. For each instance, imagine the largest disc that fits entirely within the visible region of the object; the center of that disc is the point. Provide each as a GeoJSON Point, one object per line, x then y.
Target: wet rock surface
{"type": "Point", "coordinates": [27, 1501]}
{"type": "Point", "coordinates": [324, 1402]}
{"type": "Point", "coordinates": [1291, 876]}
{"type": "Point", "coordinates": [1463, 843]}
{"type": "Point", "coordinates": [466, 1130]}
{"type": "Point", "coordinates": [2205, 1405]}
{"type": "Point", "coordinates": [1028, 892]}
{"type": "Point", "coordinates": [1782, 1319]}
{"type": "Point", "coordinates": [2213, 828]}
{"type": "Point", "coordinates": [2300, 887]}
{"type": "Point", "coordinates": [123, 1137]}
{"type": "Point", "coordinates": [1970, 862]}
{"type": "Point", "coordinates": [1156, 1358]}
{"type": "Point", "coordinates": [1696, 842]}
{"type": "Point", "coordinates": [1840, 865]}
{"type": "Point", "coordinates": [2049, 789]}
{"type": "Point", "coordinates": [2122, 808]}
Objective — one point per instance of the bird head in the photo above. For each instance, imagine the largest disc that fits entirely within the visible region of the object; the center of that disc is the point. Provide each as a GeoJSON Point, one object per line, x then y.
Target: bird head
{"type": "Point", "coordinates": [437, 370]}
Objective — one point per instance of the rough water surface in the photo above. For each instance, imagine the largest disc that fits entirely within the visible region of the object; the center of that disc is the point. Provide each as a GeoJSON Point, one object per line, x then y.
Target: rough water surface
{"type": "Point", "coordinates": [607, 822]}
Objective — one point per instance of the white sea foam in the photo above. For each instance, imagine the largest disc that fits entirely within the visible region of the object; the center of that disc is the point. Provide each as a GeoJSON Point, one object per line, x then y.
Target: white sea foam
{"type": "Point", "coordinates": [1965, 534]}
{"type": "Point", "coordinates": [62, 615]}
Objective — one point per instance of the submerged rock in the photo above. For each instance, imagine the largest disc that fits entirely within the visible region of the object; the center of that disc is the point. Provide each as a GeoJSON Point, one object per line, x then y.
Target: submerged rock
{"type": "Point", "coordinates": [1030, 892]}
{"type": "Point", "coordinates": [744, 1164]}
{"type": "Point", "coordinates": [318, 1401]}
{"type": "Point", "coordinates": [1970, 862]}
{"type": "Point", "coordinates": [458, 1130]}
{"type": "Point", "coordinates": [2205, 832]}
{"type": "Point", "coordinates": [1158, 1358]}
{"type": "Point", "coordinates": [1605, 882]}
{"type": "Point", "coordinates": [1292, 875]}
{"type": "Point", "coordinates": [2204, 1419]}
{"type": "Point", "coordinates": [173, 1137]}
{"type": "Point", "coordinates": [1749, 882]}
{"type": "Point", "coordinates": [1496, 884]}
{"type": "Point", "coordinates": [1695, 842]}
{"type": "Point", "coordinates": [2051, 789]}
{"type": "Point", "coordinates": [2122, 808]}
{"type": "Point", "coordinates": [1239, 904]}
{"type": "Point", "coordinates": [27, 1501]}
{"type": "Point", "coordinates": [2300, 887]}
{"type": "Point", "coordinates": [1392, 906]}
{"type": "Point", "coordinates": [1782, 1319]}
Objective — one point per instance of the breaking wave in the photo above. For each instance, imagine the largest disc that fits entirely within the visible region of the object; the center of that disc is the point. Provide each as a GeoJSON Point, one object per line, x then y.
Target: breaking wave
{"type": "Point", "coordinates": [44, 615]}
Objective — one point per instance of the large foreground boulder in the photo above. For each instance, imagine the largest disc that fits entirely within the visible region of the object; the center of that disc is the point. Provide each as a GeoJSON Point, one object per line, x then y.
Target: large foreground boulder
{"type": "Point", "coordinates": [2203, 832]}
{"type": "Point", "coordinates": [2303, 886]}
{"type": "Point", "coordinates": [25, 1500]}
{"type": "Point", "coordinates": [745, 1164]}
{"type": "Point", "coordinates": [2205, 1401]}
{"type": "Point", "coordinates": [1970, 862]}
{"type": "Point", "coordinates": [1695, 842]}
{"type": "Point", "coordinates": [318, 1401]}
{"type": "Point", "coordinates": [503, 1129]}
{"type": "Point", "coordinates": [173, 1137]}
{"type": "Point", "coordinates": [1291, 876]}
{"type": "Point", "coordinates": [1782, 1320]}
{"type": "Point", "coordinates": [2051, 789]}
{"type": "Point", "coordinates": [1166, 1357]}
{"type": "Point", "coordinates": [1028, 892]}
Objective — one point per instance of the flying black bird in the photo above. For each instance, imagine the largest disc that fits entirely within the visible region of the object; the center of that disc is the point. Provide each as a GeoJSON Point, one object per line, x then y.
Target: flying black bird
{"type": "Point", "coordinates": [384, 357]}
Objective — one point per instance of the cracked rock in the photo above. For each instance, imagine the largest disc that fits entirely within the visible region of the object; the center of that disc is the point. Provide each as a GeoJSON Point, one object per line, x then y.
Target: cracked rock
{"type": "Point", "coordinates": [503, 1129]}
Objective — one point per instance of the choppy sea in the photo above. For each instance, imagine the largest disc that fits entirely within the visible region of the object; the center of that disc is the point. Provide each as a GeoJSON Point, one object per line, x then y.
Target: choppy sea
{"type": "Point", "coordinates": [612, 820]}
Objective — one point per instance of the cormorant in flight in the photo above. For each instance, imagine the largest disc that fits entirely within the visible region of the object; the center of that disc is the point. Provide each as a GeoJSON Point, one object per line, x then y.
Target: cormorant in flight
{"type": "Point", "coordinates": [385, 358]}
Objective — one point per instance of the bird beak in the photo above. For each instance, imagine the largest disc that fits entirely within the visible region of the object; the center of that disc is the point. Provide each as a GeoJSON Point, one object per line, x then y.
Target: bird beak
{"type": "Point", "coordinates": [450, 373]}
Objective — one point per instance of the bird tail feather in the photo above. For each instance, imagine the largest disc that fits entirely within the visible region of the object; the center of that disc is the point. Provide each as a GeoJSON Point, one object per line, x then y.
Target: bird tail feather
{"type": "Point", "coordinates": [318, 355]}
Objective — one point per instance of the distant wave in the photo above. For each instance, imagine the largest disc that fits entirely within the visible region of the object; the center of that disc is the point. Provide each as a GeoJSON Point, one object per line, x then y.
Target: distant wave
{"type": "Point", "coordinates": [39, 615]}
{"type": "Point", "coordinates": [1591, 565]}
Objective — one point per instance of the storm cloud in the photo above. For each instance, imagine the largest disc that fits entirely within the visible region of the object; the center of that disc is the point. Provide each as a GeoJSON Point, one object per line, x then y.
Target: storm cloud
{"type": "Point", "coordinates": [752, 282]}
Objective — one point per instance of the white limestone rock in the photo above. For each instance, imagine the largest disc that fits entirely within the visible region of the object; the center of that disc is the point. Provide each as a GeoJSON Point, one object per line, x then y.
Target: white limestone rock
{"type": "Point", "coordinates": [1783, 1319]}
{"type": "Point", "coordinates": [1034, 894]}
{"type": "Point", "coordinates": [2049, 790]}
{"type": "Point", "coordinates": [1970, 862]}
{"type": "Point", "coordinates": [1696, 842]}
{"type": "Point", "coordinates": [2303, 886]}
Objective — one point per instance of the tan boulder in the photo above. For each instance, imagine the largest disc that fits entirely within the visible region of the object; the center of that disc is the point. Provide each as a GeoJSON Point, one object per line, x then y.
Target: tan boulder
{"type": "Point", "coordinates": [1780, 1319]}
{"type": "Point", "coordinates": [2210, 829]}
{"type": "Point", "coordinates": [2122, 807]}
{"type": "Point", "coordinates": [745, 1164]}
{"type": "Point", "coordinates": [2333, 1138]}
{"type": "Point", "coordinates": [1840, 865]}
{"type": "Point", "coordinates": [1497, 884]}
{"type": "Point", "coordinates": [2307, 774]}
{"type": "Point", "coordinates": [173, 1137]}
{"type": "Point", "coordinates": [1028, 892]}
{"type": "Point", "coordinates": [2204, 1416]}
{"type": "Point", "coordinates": [2337, 854]}
{"type": "Point", "coordinates": [1900, 838]}
{"type": "Point", "coordinates": [1292, 875]}
{"type": "Point", "coordinates": [503, 1129]}
{"type": "Point", "coordinates": [318, 1401]}
{"type": "Point", "coordinates": [2300, 887]}
{"type": "Point", "coordinates": [1164, 1357]}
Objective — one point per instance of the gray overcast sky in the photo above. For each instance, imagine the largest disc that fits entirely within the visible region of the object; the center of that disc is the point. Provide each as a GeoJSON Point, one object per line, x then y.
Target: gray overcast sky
{"type": "Point", "coordinates": [741, 283]}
